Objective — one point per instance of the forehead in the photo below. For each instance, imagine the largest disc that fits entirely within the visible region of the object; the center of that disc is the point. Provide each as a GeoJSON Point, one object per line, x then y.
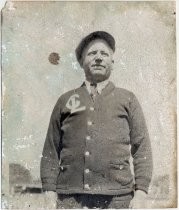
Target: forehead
{"type": "Point", "coordinates": [98, 44]}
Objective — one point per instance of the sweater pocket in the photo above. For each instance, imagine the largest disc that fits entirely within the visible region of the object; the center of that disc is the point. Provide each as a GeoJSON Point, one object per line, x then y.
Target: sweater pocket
{"type": "Point", "coordinates": [120, 172]}
{"type": "Point", "coordinates": [64, 176]}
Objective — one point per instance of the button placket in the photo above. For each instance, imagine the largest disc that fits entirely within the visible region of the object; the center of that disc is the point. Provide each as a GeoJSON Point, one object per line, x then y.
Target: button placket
{"type": "Point", "coordinates": [88, 175]}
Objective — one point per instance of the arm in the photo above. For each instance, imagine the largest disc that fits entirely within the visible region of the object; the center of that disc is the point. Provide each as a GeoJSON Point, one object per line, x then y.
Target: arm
{"type": "Point", "coordinates": [140, 147]}
{"type": "Point", "coordinates": [141, 153]}
{"type": "Point", "coordinates": [49, 169]}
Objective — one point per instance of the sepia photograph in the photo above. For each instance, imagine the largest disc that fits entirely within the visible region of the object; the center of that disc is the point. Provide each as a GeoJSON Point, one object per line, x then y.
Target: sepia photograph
{"type": "Point", "coordinates": [89, 112]}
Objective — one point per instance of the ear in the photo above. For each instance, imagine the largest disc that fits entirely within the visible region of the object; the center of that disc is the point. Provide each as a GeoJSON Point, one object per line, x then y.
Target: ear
{"type": "Point", "coordinates": [81, 63]}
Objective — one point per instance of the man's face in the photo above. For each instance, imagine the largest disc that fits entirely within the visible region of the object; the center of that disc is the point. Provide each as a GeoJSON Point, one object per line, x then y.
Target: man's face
{"type": "Point", "coordinates": [97, 61]}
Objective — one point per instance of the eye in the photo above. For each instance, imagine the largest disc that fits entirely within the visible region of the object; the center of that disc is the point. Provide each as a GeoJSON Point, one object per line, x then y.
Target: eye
{"type": "Point", "coordinates": [104, 53]}
{"type": "Point", "coordinates": [92, 53]}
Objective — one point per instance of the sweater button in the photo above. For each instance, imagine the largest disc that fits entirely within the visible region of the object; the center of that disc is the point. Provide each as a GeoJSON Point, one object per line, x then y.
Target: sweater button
{"type": "Point", "coordinates": [89, 123]}
{"type": "Point", "coordinates": [87, 186]}
{"type": "Point", "coordinates": [91, 108]}
{"type": "Point", "coordinates": [88, 137]}
{"type": "Point", "coordinates": [121, 167]}
{"type": "Point", "coordinates": [87, 171]}
{"type": "Point", "coordinates": [87, 153]}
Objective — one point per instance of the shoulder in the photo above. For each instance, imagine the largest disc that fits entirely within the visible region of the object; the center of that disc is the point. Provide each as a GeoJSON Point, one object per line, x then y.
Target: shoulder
{"type": "Point", "coordinates": [124, 94]}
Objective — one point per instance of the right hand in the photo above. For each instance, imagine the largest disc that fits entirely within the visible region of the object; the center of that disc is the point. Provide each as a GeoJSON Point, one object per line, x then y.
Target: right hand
{"type": "Point", "coordinates": [50, 198]}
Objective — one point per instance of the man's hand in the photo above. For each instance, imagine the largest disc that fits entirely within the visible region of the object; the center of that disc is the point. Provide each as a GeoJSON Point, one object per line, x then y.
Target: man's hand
{"type": "Point", "coordinates": [138, 201]}
{"type": "Point", "coordinates": [50, 198]}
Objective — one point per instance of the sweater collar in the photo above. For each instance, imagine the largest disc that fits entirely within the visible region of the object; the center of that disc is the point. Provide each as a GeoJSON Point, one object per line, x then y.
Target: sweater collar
{"type": "Point", "coordinates": [107, 89]}
{"type": "Point", "coordinates": [100, 86]}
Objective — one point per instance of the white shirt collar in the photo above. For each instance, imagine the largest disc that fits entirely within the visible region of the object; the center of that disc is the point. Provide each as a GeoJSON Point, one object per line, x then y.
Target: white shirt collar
{"type": "Point", "coordinates": [100, 86]}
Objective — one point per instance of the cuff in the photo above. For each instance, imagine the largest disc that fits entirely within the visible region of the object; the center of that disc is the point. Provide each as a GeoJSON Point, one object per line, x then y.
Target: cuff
{"type": "Point", "coordinates": [49, 184]}
{"type": "Point", "coordinates": [49, 187]}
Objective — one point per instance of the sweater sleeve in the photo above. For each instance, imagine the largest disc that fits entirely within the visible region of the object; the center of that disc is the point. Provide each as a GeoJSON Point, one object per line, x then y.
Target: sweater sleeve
{"type": "Point", "coordinates": [140, 147]}
{"type": "Point", "coordinates": [49, 168]}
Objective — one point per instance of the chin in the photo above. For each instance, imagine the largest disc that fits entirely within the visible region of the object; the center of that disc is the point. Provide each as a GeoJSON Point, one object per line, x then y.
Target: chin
{"type": "Point", "coordinates": [98, 72]}
{"type": "Point", "coordinates": [99, 77]}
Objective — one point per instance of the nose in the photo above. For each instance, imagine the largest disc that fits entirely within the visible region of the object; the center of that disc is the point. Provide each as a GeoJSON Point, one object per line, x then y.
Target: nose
{"type": "Point", "coordinates": [98, 58]}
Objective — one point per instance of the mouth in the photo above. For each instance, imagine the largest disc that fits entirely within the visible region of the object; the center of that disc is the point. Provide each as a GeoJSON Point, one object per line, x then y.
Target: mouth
{"type": "Point", "coordinates": [98, 66]}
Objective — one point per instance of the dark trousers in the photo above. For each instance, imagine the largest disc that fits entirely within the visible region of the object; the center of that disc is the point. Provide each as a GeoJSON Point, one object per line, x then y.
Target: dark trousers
{"type": "Point", "coordinates": [78, 201]}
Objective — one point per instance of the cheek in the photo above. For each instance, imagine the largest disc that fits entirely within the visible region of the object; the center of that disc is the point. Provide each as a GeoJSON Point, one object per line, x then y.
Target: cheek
{"type": "Point", "coordinates": [109, 65]}
{"type": "Point", "coordinates": [87, 62]}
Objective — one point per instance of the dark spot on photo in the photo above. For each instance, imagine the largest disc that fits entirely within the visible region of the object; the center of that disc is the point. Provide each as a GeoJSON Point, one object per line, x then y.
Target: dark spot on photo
{"type": "Point", "coordinates": [54, 58]}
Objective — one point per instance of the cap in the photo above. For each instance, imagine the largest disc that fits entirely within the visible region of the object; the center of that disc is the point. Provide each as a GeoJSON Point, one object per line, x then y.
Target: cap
{"type": "Point", "coordinates": [92, 36]}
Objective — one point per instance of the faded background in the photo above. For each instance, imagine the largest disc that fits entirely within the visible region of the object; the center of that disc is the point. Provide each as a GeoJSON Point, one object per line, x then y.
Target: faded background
{"type": "Point", "coordinates": [32, 81]}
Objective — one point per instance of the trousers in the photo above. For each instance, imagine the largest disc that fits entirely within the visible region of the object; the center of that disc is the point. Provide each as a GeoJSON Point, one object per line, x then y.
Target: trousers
{"type": "Point", "coordinates": [78, 201]}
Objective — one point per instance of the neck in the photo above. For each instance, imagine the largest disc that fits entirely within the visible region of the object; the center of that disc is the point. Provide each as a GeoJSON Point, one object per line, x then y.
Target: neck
{"type": "Point", "coordinates": [96, 81]}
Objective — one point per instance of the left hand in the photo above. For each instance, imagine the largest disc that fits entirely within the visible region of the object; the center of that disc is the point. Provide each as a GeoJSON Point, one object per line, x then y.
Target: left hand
{"type": "Point", "coordinates": [138, 200]}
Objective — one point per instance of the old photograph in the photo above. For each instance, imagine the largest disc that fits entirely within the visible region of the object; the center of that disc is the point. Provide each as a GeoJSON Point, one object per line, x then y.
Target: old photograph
{"type": "Point", "coordinates": [89, 105]}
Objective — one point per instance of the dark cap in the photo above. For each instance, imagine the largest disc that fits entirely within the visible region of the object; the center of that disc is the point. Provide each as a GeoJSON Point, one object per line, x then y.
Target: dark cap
{"type": "Point", "coordinates": [95, 35]}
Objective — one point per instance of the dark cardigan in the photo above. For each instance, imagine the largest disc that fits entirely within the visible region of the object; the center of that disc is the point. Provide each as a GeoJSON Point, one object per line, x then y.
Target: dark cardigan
{"type": "Point", "coordinates": [89, 144]}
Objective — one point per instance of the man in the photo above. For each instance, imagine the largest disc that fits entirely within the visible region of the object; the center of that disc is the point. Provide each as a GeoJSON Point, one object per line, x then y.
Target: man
{"type": "Point", "coordinates": [93, 131]}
